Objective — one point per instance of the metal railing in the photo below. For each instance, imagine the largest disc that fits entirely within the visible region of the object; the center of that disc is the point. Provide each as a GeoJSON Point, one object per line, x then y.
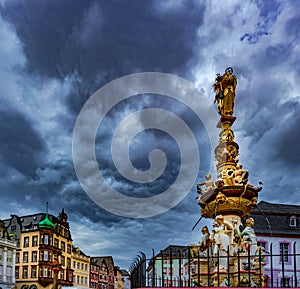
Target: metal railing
{"type": "Point", "coordinates": [182, 268]}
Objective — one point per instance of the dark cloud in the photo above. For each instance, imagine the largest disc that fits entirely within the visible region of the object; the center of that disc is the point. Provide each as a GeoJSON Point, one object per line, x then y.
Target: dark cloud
{"type": "Point", "coordinates": [20, 145]}
{"type": "Point", "coordinates": [273, 56]}
{"type": "Point", "coordinates": [99, 42]}
{"type": "Point", "coordinates": [44, 28]}
{"type": "Point", "coordinates": [291, 28]}
{"type": "Point", "coordinates": [284, 146]}
{"type": "Point", "coordinates": [146, 141]}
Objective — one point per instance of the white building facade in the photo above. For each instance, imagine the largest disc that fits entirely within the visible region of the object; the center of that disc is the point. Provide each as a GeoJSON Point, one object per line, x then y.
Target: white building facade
{"type": "Point", "coordinates": [277, 228]}
{"type": "Point", "coordinates": [8, 249]}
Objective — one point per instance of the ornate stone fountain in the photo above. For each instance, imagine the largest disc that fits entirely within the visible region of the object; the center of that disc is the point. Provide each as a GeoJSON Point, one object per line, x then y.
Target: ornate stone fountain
{"type": "Point", "coordinates": [227, 255]}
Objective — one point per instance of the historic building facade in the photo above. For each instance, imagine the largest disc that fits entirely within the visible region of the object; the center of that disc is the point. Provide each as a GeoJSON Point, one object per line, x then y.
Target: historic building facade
{"type": "Point", "coordinates": [8, 248]}
{"type": "Point", "coordinates": [126, 279]}
{"type": "Point", "coordinates": [44, 242]}
{"type": "Point", "coordinates": [102, 272]}
{"type": "Point", "coordinates": [167, 269]}
{"type": "Point", "coordinates": [277, 228]}
{"type": "Point", "coordinates": [81, 267]}
{"type": "Point", "coordinates": [94, 273]}
{"type": "Point", "coordinates": [119, 280]}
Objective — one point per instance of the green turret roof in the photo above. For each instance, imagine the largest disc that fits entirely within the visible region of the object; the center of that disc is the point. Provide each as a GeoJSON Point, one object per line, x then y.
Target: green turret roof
{"type": "Point", "coordinates": [46, 223]}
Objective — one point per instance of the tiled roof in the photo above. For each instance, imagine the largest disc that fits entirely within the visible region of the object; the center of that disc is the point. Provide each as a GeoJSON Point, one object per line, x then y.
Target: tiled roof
{"type": "Point", "coordinates": [175, 249]}
{"type": "Point", "coordinates": [107, 259]}
{"type": "Point", "coordinates": [30, 222]}
{"type": "Point", "coordinates": [274, 219]}
{"type": "Point", "coordinates": [277, 208]}
{"type": "Point", "coordinates": [77, 249]}
{"type": "Point", "coordinates": [124, 272]}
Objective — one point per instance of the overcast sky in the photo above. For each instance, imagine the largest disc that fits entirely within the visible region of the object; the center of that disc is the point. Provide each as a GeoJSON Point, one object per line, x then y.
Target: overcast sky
{"type": "Point", "coordinates": [55, 54]}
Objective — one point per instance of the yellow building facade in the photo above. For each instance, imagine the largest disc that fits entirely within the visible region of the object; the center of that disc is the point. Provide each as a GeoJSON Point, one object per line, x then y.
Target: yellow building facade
{"type": "Point", "coordinates": [44, 242]}
{"type": "Point", "coordinates": [81, 267]}
{"type": "Point", "coordinates": [119, 280]}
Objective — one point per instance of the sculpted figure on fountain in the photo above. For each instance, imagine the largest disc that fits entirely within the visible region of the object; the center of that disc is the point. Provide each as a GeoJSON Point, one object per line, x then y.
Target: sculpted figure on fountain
{"type": "Point", "coordinates": [221, 239]}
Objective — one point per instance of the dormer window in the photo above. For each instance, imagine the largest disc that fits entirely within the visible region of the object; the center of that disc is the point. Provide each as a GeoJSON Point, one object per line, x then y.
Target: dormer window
{"type": "Point", "coordinates": [293, 221]}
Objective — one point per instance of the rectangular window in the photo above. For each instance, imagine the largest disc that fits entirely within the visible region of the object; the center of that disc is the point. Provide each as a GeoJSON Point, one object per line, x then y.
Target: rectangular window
{"type": "Point", "coordinates": [26, 242]}
{"type": "Point", "coordinates": [13, 229]}
{"type": "Point", "coordinates": [74, 264]}
{"type": "Point", "coordinates": [9, 256]}
{"type": "Point", "coordinates": [34, 241]}
{"type": "Point", "coordinates": [18, 257]}
{"type": "Point", "coordinates": [63, 260]}
{"type": "Point", "coordinates": [285, 282]}
{"type": "Point", "coordinates": [69, 249]}
{"type": "Point", "coordinates": [46, 256]}
{"type": "Point", "coordinates": [293, 221]}
{"type": "Point", "coordinates": [25, 272]}
{"type": "Point", "coordinates": [33, 272]}
{"type": "Point", "coordinates": [261, 244]}
{"type": "Point", "coordinates": [68, 262]}
{"type": "Point", "coordinates": [45, 272]}
{"type": "Point", "coordinates": [85, 267]}
{"type": "Point", "coordinates": [56, 242]}
{"type": "Point", "coordinates": [284, 251]}
{"type": "Point", "coordinates": [25, 257]}
{"type": "Point", "coordinates": [45, 240]}
{"type": "Point", "coordinates": [61, 274]}
{"type": "Point", "coordinates": [78, 266]}
{"type": "Point", "coordinates": [63, 246]}
{"type": "Point", "coordinates": [34, 256]}
{"type": "Point", "coordinates": [17, 272]}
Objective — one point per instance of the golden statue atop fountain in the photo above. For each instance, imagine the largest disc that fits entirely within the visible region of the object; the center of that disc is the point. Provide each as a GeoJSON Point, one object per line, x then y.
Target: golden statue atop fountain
{"type": "Point", "coordinates": [224, 87]}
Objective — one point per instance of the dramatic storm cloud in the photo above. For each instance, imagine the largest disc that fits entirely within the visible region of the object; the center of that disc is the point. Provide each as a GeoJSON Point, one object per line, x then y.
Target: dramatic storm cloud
{"type": "Point", "coordinates": [55, 54]}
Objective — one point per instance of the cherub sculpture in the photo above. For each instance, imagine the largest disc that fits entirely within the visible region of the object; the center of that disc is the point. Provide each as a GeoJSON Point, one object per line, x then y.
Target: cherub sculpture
{"type": "Point", "coordinates": [240, 176]}
{"type": "Point", "coordinates": [208, 183]}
